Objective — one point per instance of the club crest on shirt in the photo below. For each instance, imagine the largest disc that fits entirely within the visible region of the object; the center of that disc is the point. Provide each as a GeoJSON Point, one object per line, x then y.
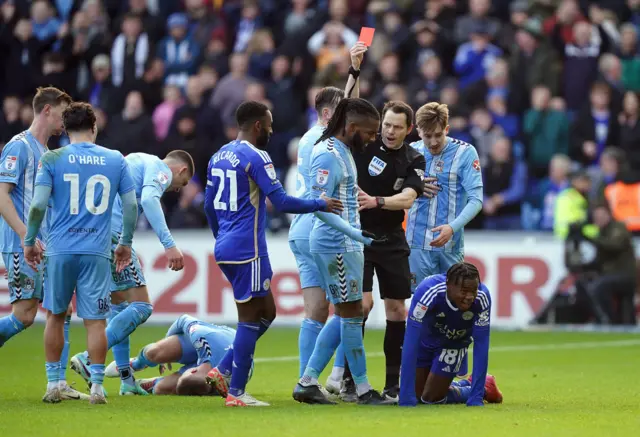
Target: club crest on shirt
{"type": "Point", "coordinates": [398, 184]}
{"type": "Point", "coordinates": [266, 284]}
{"type": "Point", "coordinates": [439, 166]}
{"type": "Point", "coordinates": [322, 177]}
{"type": "Point", "coordinates": [419, 311]}
{"type": "Point", "coordinates": [10, 162]}
{"type": "Point", "coordinates": [271, 171]}
{"type": "Point", "coordinates": [467, 315]}
{"type": "Point", "coordinates": [476, 165]}
{"type": "Point", "coordinates": [376, 166]}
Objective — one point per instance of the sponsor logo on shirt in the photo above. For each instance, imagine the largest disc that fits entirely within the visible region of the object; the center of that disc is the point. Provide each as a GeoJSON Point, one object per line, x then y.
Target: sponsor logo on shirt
{"type": "Point", "coordinates": [11, 162]}
{"type": "Point", "coordinates": [376, 166]}
{"type": "Point", "coordinates": [322, 177]}
{"type": "Point", "coordinates": [271, 171]}
{"type": "Point", "coordinates": [418, 312]}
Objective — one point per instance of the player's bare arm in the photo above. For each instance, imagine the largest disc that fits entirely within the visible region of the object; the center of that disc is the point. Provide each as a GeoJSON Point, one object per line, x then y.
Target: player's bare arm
{"type": "Point", "coordinates": [352, 89]}
{"type": "Point", "coordinates": [8, 210]}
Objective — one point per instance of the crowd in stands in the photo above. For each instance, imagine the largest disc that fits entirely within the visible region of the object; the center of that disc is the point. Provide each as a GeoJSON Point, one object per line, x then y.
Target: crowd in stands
{"type": "Point", "coordinates": [541, 88]}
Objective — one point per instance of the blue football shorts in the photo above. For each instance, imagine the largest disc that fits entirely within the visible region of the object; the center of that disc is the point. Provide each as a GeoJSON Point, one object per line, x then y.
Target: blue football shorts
{"type": "Point", "coordinates": [131, 276]}
{"type": "Point", "coordinates": [24, 282]}
{"type": "Point", "coordinates": [341, 275]}
{"type": "Point", "coordinates": [249, 280]}
{"type": "Point", "coordinates": [425, 263]}
{"type": "Point", "coordinates": [88, 275]}
{"type": "Point", "coordinates": [309, 273]}
{"type": "Point", "coordinates": [442, 361]}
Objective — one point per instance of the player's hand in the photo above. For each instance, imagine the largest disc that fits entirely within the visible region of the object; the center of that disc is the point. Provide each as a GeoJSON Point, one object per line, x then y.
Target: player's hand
{"type": "Point", "coordinates": [375, 241]}
{"type": "Point", "coordinates": [33, 255]}
{"type": "Point", "coordinates": [365, 201]}
{"type": "Point", "coordinates": [122, 257]}
{"type": "Point", "coordinates": [175, 257]}
{"type": "Point", "coordinates": [475, 403]}
{"type": "Point", "coordinates": [333, 205]}
{"type": "Point", "coordinates": [446, 232]}
{"type": "Point", "coordinates": [357, 54]}
{"type": "Point", "coordinates": [164, 367]}
{"type": "Point", "coordinates": [430, 189]}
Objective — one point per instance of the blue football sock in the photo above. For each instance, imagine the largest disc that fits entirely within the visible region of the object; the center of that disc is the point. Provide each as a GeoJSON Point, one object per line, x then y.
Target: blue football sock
{"type": "Point", "coordinates": [122, 353]}
{"type": "Point", "coordinates": [97, 373]}
{"type": "Point", "coordinates": [264, 326]}
{"type": "Point", "coordinates": [461, 383]}
{"type": "Point", "coordinates": [458, 395]}
{"type": "Point", "coordinates": [309, 331]}
{"type": "Point", "coordinates": [53, 371]}
{"type": "Point", "coordinates": [155, 382]}
{"type": "Point", "coordinates": [9, 326]}
{"type": "Point", "coordinates": [326, 344]}
{"type": "Point", "coordinates": [226, 363]}
{"type": "Point", "coordinates": [126, 319]}
{"type": "Point", "coordinates": [351, 331]}
{"type": "Point", "coordinates": [464, 366]}
{"type": "Point", "coordinates": [142, 361]}
{"type": "Point", "coordinates": [340, 358]}
{"type": "Point", "coordinates": [244, 346]}
{"type": "Point", "coordinates": [64, 357]}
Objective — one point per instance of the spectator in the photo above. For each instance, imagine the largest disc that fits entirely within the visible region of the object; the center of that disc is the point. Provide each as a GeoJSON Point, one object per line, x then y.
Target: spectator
{"type": "Point", "coordinates": [572, 204]}
{"type": "Point", "coordinates": [497, 105]}
{"type": "Point", "coordinates": [163, 114]}
{"type": "Point", "coordinates": [595, 127]}
{"type": "Point", "coordinates": [484, 133]}
{"type": "Point", "coordinates": [612, 164]}
{"type": "Point", "coordinates": [55, 73]}
{"type": "Point", "coordinates": [45, 24]}
{"type": "Point", "coordinates": [331, 44]}
{"type": "Point", "coordinates": [179, 52]}
{"type": "Point", "coordinates": [475, 57]}
{"type": "Point", "coordinates": [629, 120]}
{"type": "Point", "coordinates": [299, 17]}
{"type": "Point", "coordinates": [496, 79]}
{"type": "Point", "coordinates": [231, 89]}
{"type": "Point", "coordinates": [549, 189]}
{"type": "Point", "coordinates": [478, 11]}
{"type": "Point", "coordinates": [215, 53]}
{"type": "Point", "coordinates": [132, 130]}
{"type": "Point", "coordinates": [204, 21]}
{"type": "Point", "coordinates": [611, 73]}
{"type": "Point", "coordinates": [546, 131]}
{"type": "Point", "coordinates": [428, 82]}
{"type": "Point", "coordinates": [100, 91]}
{"type": "Point", "coordinates": [628, 53]}
{"type": "Point", "coordinates": [152, 25]}
{"type": "Point", "coordinates": [11, 124]}
{"type": "Point", "coordinates": [130, 52]}
{"type": "Point", "coordinates": [505, 181]}
{"type": "Point", "coordinates": [563, 21]}
{"type": "Point", "coordinates": [249, 23]}
{"type": "Point", "coordinates": [261, 51]}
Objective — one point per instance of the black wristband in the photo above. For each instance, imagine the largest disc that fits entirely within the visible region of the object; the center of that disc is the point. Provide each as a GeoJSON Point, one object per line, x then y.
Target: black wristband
{"type": "Point", "coordinates": [353, 72]}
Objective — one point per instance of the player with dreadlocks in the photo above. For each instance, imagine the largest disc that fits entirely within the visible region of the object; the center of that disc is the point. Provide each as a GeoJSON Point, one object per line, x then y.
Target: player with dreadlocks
{"type": "Point", "coordinates": [447, 313]}
{"type": "Point", "coordinates": [336, 243]}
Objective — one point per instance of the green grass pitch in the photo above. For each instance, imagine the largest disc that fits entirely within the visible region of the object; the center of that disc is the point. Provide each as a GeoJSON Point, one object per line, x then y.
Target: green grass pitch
{"type": "Point", "coordinates": [564, 384]}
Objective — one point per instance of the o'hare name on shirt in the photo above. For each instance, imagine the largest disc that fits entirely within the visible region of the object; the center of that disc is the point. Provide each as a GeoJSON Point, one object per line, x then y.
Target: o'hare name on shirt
{"type": "Point", "coordinates": [87, 159]}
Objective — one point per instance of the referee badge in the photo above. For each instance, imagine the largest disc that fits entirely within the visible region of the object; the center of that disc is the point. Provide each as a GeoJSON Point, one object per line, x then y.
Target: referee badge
{"type": "Point", "coordinates": [376, 166]}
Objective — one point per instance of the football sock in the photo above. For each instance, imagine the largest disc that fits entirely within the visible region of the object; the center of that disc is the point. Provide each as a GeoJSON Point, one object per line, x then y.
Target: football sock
{"type": "Point", "coordinates": [9, 326]}
{"type": "Point", "coordinates": [53, 374]}
{"type": "Point", "coordinates": [97, 377]}
{"type": "Point", "coordinates": [64, 357]}
{"type": "Point", "coordinates": [461, 383]}
{"type": "Point", "coordinates": [142, 361]}
{"type": "Point", "coordinates": [309, 331]}
{"type": "Point", "coordinates": [347, 370]}
{"type": "Point", "coordinates": [226, 363]}
{"type": "Point", "coordinates": [464, 366]}
{"type": "Point", "coordinates": [244, 346]}
{"type": "Point", "coordinates": [458, 395]}
{"type": "Point", "coordinates": [326, 344]}
{"type": "Point", "coordinates": [351, 333]}
{"type": "Point", "coordinates": [125, 319]}
{"type": "Point", "coordinates": [393, 339]}
{"type": "Point", "coordinates": [155, 382]}
{"type": "Point", "coordinates": [264, 326]}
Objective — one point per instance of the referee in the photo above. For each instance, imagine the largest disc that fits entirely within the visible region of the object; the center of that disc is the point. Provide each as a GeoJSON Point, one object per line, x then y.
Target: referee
{"type": "Point", "coordinates": [390, 177]}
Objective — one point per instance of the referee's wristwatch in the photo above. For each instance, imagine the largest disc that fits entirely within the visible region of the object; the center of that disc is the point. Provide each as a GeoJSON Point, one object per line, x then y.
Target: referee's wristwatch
{"type": "Point", "coordinates": [379, 202]}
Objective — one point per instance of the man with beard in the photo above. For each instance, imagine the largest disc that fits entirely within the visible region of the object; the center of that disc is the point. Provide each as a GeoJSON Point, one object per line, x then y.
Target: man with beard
{"type": "Point", "coordinates": [338, 252]}
{"type": "Point", "coordinates": [240, 177]}
{"type": "Point", "coordinates": [390, 175]}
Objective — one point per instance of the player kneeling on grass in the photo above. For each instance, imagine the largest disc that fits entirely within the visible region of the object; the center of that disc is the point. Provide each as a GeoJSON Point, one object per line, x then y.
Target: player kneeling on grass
{"type": "Point", "coordinates": [447, 313]}
{"type": "Point", "coordinates": [195, 344]}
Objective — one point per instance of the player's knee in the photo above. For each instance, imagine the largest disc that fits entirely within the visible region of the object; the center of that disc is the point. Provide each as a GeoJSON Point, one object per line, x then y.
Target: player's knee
{"type": "Point", "coordinates": [318, 310]}
{"type": "Point", "coordinates": [394, 310]}
{"type": "Point", "coordinates": [152, 352]}
{"type": "Point", "coordinates": [26, 314]}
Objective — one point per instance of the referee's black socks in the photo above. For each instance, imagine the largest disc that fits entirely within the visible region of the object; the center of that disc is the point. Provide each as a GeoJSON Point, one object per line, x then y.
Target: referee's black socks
{"type": "Point", "coordinates": [347, 371]}
{"type": "Point", "coordinates": [393, 339]}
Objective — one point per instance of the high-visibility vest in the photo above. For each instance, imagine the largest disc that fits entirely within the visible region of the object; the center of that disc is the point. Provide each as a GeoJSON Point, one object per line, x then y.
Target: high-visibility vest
{"type": "Point", "coordinates": [624, 201]}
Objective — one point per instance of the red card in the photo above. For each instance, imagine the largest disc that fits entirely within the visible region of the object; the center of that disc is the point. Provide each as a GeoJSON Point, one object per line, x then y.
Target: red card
{"type": "Point", "coordinates": [366, 35]}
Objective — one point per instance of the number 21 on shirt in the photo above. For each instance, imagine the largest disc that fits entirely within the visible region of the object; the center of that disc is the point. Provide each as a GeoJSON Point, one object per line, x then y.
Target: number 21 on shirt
{"type": "Point", "coordinates": [233, 189]}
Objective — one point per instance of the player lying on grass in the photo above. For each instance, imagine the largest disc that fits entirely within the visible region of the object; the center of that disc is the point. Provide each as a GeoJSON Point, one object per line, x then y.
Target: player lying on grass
{"type": "Point", "coordinates": [195, 344]}
{"type": "Point", "coordinates": [447, 313]}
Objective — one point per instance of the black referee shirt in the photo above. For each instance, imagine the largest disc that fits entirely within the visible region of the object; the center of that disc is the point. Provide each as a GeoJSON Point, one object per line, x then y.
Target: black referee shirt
{"type": "Point", "coordinates": [383, 172]}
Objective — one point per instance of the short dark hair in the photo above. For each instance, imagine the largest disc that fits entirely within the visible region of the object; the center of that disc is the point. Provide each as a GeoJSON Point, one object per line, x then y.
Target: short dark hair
{"type": "Point", "coordinates": [49, 96]}
{"type": "Point", "coordinates": [78, 117]}
{"type": "Point", "coordinates": [328, 97]}
{"type": "Point", "coordinates": [398, 107]}
{"type": "Point", "coordinates": [184, 158]}
{"type": "Point", "coordinates": [249, 112]}
{"type": "Point", "coordinates": [348, 107]}
{"type": "Point", "coordinates": [462, 271]}
{"type": "Point", "coordinates": [190, 386]}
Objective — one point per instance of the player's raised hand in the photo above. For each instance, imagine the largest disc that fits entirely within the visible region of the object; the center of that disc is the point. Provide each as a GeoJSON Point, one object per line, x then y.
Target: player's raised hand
{"type": "Point", "coordinates": [33, 255]}
{"type": "Point", "coordinates": [333, 205]}
{"type": "Point", "coordinates": [122, 257]}
{"type": "Point", "coordinates": [175, 257]}
{"type": "Point", "coordinates": [357, 54]}
{"type": "Point", "coordinates": [430, 189]}
{"type": "Point", "coordinates": [365, 201]}
{"type": "Point", "coordinates": [446, 232]}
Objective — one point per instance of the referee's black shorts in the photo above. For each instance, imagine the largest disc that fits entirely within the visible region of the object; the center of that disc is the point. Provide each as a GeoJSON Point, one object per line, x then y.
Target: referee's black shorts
{"type": "Point", "coordinates": [391, 266]}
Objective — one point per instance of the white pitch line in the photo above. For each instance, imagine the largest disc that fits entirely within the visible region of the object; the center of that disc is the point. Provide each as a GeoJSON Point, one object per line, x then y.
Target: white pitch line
{"type": "Point", "coordinates": [530, 347]}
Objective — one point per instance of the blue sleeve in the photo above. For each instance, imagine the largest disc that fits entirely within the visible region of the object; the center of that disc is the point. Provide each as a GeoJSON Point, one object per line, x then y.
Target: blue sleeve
{"type": "Point", "coordinates": [150, 202]}
{"type": "Point", "coordinates": [336, 222]}
{"type": "Point", "coordinates": [126, 181]}
{"type": "Point", "coordinates": [129, 217]}
{"type": "Point", "coordinates": [209, 209]}
{"type": "Point", "coordinates": [517, 184]}
{"type": "Point", "coordinates": [294, 205]}
{"type": "Point", "coordinates": [38, 208]}
{"type": "Point", "coordinates": [44, 176]}
{"type": "Point", "coordinates": [12, 162]}
{"type": "Point", "coordinates": [262, 171]}
{"type": "Point", "coordinates": [480, 333]}
{"type": "Point", "coordinates": [470, 210]}
{"type": "Point", "coordinates": [470, 171]}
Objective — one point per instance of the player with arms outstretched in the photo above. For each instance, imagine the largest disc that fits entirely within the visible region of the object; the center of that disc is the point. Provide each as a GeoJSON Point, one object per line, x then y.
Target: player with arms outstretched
{"type": "Point", "coordinates": [18, 165]}
{"type": "Point", "coordinates": [131, 306]}
{"type": "Point", "coordinates": [82, 180]}
{"type": "Point", "coordinates": [316, 305]}
{"type": "Point", "coordinates": [337, 247]}
{"type": "Point", "coordinates": [453, 197]}
{"type": "Point", "coordinates": [447, 313]}
{"type": "Point", "coordinates": [239, 179]}
{"type": "Point", "coordinates": [195, 344]}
